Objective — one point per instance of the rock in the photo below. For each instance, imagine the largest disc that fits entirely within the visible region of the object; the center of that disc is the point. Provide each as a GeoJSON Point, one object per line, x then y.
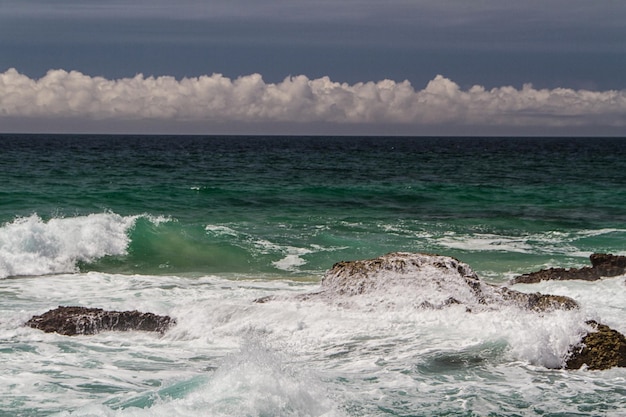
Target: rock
{"type": "Point", "coordinates": [433, 281]}
{"type": "Point", "coordinates": [602, 348]}
{"type": "Point", "coordinates": [71, 321]}
{"type": "Point", "coordinates": [537, 301]}
{"type": "Point", "coordinates": [602, 265]}
{"type": "Point", "coordinates": [608, 265]}
{"type": "Point", "coordinates": [436, 282]}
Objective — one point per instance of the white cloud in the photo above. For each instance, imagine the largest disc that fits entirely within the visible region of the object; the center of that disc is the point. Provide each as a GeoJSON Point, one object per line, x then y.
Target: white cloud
{"type": "Point", "coordinates": [249, 99]}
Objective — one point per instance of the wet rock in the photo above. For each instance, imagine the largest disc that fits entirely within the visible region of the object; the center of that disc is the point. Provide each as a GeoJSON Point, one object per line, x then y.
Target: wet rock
{"type": "Point", "coordinates": [537, 301]}
{"type": "Point", "coordinates": [72, 321]}
{"type": "Point", "coordinates": [432, 280]}
{"type": "Point", "coordinates": [602, 348]}
{"type": "Point", "coordinates": [602, 265]}
{"type": "Point", "coordinates": [436, 282]}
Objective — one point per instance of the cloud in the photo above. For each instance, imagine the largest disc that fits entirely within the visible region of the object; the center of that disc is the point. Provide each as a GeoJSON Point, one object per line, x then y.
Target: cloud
{"type": "Point", "coordinates": [300, 100]}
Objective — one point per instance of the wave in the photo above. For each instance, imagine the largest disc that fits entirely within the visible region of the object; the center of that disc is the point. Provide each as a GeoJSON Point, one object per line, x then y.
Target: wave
{"type": "Point", "coordinates": [32, 246]}
{"type": "Point", "coordinates": [144, 244]}
{"type": "Point", "coordinates": [147, 244]}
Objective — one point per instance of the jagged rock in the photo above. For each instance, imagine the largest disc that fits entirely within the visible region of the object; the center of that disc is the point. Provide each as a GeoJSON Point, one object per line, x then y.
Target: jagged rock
{"type": "Point", "coordinates": [603, 348]}
{"type": "Point", "coordinates": [434, 281]}
{"type": "Point", "coordinates": [72, 321]}
{"type": "Point", "coordinates": [602, 265]}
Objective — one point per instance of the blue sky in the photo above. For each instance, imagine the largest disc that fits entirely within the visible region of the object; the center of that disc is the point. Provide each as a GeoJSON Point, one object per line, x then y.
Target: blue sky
{"type": "Point", "coordinates": [562, 48]}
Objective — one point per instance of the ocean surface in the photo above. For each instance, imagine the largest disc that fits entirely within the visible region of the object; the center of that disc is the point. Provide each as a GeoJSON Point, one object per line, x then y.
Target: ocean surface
{"type": "Point", "coordinates": [199, 227]}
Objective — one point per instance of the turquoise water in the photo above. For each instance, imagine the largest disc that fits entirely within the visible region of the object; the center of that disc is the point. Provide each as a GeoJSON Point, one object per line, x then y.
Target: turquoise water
{"type": "Point", "coordinates": [244, 204]}
{"type": "Point", "coordinates": [198, 227]}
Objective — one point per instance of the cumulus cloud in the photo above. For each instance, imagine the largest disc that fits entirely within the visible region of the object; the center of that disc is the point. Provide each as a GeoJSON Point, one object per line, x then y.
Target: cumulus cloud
{"type": "Point", "coordinates": [298, 99]}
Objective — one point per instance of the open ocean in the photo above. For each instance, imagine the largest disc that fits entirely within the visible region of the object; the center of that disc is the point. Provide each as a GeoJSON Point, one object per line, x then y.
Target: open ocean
{"type": "Point", "coordinates": [199, 227]}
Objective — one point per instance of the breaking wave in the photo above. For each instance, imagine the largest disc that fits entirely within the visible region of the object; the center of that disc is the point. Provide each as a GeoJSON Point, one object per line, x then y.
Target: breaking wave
{"type": "Point", "coordinates": [144, 244]}
{"type": "Point", "coordinates": [33, 246]}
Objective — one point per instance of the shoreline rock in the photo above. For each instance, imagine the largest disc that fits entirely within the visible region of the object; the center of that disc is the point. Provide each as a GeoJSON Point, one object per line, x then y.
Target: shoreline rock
{"type": "Point", "coordinates": [435, 281]}
{"type": "Point", "coordinates": [71, 321]}
{"type": "Point", "coordinates": [602, 266]}
{"type": "Point", "coordinates": [602, 348]}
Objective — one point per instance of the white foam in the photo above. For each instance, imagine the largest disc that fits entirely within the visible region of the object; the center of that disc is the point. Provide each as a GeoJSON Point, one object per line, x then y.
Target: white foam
{"type": "Point", "coordinates": [32, 246]}
{"type": "Point", "coordinates": [598, 232]}
{"type": "Point", "coordinates": [551, 242]}
{"type": "Point", "coordinates": [230, 356]}
{"type": "Point", "coordinates": [253, 381]}
{"type": "Point", "coordinates": [220, 230]}
{"type": "Point", "coordinates": [603, 300]}
{"type": "Point", "coordinates": [486, 242]}
{"type": "Point", "coordinates": [292, 259]}
{"type": "Point", "coordinates": [365, 328]}
{"type": "Point", "coordinates": [156, 220]}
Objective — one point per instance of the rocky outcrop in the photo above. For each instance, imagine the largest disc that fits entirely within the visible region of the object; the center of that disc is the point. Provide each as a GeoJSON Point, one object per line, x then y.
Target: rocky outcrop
{"type": "Point", "coordinates": [602, 348]}
{"type": "Point", "coordinates": [433, 281]}
{"type": "Point", "coordinates": [72, 321]}
{"type": "Point", "coordinates": [602, 265]}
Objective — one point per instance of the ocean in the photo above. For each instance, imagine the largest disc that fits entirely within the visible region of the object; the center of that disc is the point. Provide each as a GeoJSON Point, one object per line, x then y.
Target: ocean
{"type": "Point", "coordinates": [198, 227]}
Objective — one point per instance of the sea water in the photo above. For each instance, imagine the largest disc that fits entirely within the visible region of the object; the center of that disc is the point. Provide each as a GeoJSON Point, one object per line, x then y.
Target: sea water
{"type": "Point", "coordinates": [199, 227]}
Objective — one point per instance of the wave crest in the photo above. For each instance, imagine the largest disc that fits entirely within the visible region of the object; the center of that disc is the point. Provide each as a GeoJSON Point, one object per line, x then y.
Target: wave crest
{"type": "Point", "coordinates": [33, 246]}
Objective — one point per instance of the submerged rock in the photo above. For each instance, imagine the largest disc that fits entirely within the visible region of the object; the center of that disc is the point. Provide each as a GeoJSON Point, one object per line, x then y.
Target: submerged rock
{"type": "Point", "coordinates": [72, 321]}
{"type": "Point", "coordinates": [602, 348]}
{"type": "Point", "coordinates": [433, 281]}
{"type": "Point", "coordinates": [602, 265]}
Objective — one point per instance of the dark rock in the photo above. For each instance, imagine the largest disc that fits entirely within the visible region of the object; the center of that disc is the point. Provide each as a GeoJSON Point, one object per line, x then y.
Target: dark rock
{"type": "Point", "coordinates": [537, 301]}
{"type": "Point", "coordinates": [608, 265]}
{"type": "Point", "coordinates": [436, 282]}
{"type": "Point", "coordinates": [431, 280]}
{"type": "Point", "coordinates": [71, 321]}
{"type": "Point", "coordinates": [603, 265]}
{"type": "Point", "coordinates": [602, 348]}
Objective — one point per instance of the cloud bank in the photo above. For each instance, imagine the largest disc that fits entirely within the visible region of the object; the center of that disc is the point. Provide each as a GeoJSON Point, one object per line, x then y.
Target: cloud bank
{"type": "Point", "coordinates": [299, 100]}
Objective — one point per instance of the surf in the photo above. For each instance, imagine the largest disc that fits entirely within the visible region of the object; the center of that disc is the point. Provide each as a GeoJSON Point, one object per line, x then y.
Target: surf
{"type": "Point", "coordinates": [33, 246]}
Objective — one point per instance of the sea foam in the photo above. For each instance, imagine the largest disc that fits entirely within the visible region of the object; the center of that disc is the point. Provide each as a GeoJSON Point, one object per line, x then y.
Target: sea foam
{"type": "Point", "coordinates": [230, 356]}
{"type": "Point", "coordinates": [256, 380]}
{"type": "Point", "coordinates": [33, 246]}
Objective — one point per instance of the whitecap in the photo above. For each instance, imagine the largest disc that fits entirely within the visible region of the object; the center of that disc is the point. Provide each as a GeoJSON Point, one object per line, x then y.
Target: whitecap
{"type": "Point", "coordinates": [32, 246]}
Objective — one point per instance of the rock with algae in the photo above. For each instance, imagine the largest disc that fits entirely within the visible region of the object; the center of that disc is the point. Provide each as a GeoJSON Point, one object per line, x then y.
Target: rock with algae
{"type": "Point", "coordinates": [601, 348]}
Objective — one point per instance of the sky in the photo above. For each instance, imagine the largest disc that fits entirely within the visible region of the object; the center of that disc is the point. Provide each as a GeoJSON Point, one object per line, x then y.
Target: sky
{"type": "Point", "coordinates": [394, 67]}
